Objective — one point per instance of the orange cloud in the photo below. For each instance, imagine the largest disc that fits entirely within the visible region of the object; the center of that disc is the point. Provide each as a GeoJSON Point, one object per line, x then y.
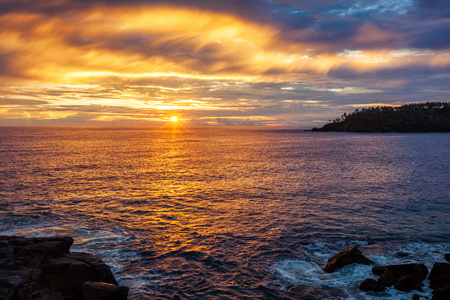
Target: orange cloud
{"type": "Point", "coordinates": [369, 34]}
{"type": "Point", "coordinates": [153, 41]}
{"type": "Point", "coordinates": [163, 58]}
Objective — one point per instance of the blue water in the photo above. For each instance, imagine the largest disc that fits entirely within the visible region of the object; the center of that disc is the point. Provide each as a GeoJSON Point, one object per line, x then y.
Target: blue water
{"type": "Point", "coordinates": [229, 213]}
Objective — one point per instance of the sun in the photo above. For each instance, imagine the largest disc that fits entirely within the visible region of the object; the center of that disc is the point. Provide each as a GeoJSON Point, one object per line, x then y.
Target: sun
{"type": "Point", "coordinates": [174, 119]}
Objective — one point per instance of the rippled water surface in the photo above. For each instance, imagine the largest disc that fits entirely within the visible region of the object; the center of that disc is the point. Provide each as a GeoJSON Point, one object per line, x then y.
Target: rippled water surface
{"type": "Point", "coordinates": [227, 213]}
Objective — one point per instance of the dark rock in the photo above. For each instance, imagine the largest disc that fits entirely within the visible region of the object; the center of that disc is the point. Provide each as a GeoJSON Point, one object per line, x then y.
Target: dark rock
{"type": "Point", "coordinates": [65, 241]}
{"type": "Point", "coordinates": [102, 271]}
{"type": "Point", "coordinates": [15, 277]}
{"type": "Point", "coordinates": [6, 290]}
{"type": "Point", "coordinates": [68, 273]}
{"type": "Point", "coordinates": [78, 273]}
{"type": "Point", "coordinates": [346, 257]}
{"type": "Point", "coordinates": [6, 257]}
{"type": "Point", "coordinates": [402, 254]}
{"type": "Point", "coordinates": [55, 271]}
{"type": "Point", "coordinates": [36, 253]}
{"type": "Point", "coordinates": [9, 237]}
{"type": "Point", "coordinates": [370, 284]}
{"type": "Point", "coordinates": [11, 281]}
{"type": "Point", "coordinates": [43, 268]}
{"type": "Point", "coordinates": [439, 275]}
{"type": "Point", "coordinates": [104, 291]}
{"type": "Point", "coordinates": [418, 271]}
{"type": "Point", "coordinates": [388, 278]}
{"type": "Point", "coordinates": [447, 257]}
{"type": "Point", "coordinates": [442, 293]}
{"type": "Point", "coordinates": [52, 248]}
{"type": "Point", "coordinates": [407, 283]}
{"type": "Point", "coordinates": [440, 269]}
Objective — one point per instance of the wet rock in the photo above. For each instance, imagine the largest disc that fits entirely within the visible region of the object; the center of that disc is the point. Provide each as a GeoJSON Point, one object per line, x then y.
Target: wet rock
{"type": "Point", "coordinates": [418, 271]}
{"type": "Point", "coordinates": [6, 290]}
{"type": "Point", "coordinates": [68, 273]}
{"type": "Point", "coordinates": [370, 284]}
{"type": "Point", "coordinates": [442, 293]}
{"type": "Point", "coordinates": [388, 278]}
{"type": "Point", "coordinates": [407, 283]}
{"type": "Point", "coordinates": [11, 281]}
{"type": "Point", "coordinates": [78, 273]}
{"type": "Point", "coordinates": [402, 254]}
{"type": "Point", "coordinates": [104, 291]}
{"type": "Point", "coordinates": [43, 268]}
{"type": "Point", "coordinates": [439, 275]}
{"type": "Point", "coordinates": [53, 247]}
{"type": "Point", "coordinates": [101, 270]}
{"type": "Point", "coordinates": [405, 277]}
{"type": "Point", "coordinates": [36, 253]}
{"type": "Point", "coordinates": [346, 257]}
{"type": "Point", "coordinates": [15, 277]}
{"type": "Point", "coordinates": [55, 271]}
{"type": "Point", "coordinates": [6, 256]}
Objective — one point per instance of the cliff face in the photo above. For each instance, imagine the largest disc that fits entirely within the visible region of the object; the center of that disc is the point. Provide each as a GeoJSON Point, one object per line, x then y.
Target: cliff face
{"type": "Point", "coordinates": [421, 117]}
{"type": "Point", "coordinates": [44, 268]}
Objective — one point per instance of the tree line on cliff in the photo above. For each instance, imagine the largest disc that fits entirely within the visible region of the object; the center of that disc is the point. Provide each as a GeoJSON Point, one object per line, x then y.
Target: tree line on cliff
{"type": "Point", "coordinates": [417, 117]}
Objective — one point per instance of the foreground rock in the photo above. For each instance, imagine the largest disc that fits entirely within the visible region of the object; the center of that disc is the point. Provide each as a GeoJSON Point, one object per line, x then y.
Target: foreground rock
{"type": "Point", "coordinates": [346, 257]}
{"type": "Point", "coordinates": [404, 278]}
{"type": "Point", "coordinates": [418, 271]}
{"type": "Point", "coordinates": [370, 284]}
{"type": "Point", "coordinates": [440, 281]}
{"type": "Point", "coordinates": [44, 268]}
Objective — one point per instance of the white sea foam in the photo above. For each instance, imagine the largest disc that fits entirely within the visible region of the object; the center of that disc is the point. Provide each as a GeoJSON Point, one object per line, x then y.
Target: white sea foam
{"type": "Point", "coordinates": [308, 268]}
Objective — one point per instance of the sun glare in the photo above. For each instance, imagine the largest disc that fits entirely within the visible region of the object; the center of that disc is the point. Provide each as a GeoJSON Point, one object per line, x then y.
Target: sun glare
{"type": "Point", "coordinates": [174, 119]}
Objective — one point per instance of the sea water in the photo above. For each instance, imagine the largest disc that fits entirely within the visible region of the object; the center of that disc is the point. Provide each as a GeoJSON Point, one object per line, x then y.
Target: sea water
{"type": "Point", "coordinates": [230, 212]}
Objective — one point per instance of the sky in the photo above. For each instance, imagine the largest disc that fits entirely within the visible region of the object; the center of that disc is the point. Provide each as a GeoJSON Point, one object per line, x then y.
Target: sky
{"type": "Point", "coordinates": [229, 62]}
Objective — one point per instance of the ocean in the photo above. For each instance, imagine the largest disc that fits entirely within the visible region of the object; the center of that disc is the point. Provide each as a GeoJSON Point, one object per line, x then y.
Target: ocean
{"type": "Point", "coordinates": [230, 212]}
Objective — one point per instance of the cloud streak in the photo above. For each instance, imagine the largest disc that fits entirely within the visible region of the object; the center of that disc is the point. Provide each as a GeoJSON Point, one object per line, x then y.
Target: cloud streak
{"type": "Point", "coordinates": [267, 62]}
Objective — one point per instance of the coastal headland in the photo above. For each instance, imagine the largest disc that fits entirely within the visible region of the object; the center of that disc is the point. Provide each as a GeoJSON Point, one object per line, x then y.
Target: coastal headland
{"type": "Point", "coordinates": [419, 117]}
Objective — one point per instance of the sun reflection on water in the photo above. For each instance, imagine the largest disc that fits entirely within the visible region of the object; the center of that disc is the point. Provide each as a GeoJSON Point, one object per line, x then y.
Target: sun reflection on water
{"type": "Point", "coordinates": [218, 205]}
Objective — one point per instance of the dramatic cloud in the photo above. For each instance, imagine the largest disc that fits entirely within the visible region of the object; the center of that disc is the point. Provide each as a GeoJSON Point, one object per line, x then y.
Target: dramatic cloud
{"type": "Point", "coordinates": [257, 62]}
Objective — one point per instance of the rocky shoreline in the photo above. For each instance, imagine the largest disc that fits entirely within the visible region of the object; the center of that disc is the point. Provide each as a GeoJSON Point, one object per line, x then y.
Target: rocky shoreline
{"type": "Point", "coordinates": [404, 277]}
{"type": "Point", "coordinates": [44, 268]}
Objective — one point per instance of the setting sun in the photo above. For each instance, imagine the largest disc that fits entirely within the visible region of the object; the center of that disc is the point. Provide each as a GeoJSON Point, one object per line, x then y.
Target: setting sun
{"type": "Point", "coordinates": [174, 119]}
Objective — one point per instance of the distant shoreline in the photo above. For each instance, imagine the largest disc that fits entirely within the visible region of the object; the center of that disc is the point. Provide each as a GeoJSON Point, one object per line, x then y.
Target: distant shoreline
{"type": "Point", "coordinates": [430, 117]}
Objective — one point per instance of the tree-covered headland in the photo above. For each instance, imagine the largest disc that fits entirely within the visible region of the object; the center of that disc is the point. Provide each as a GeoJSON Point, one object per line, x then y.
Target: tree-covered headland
{"type": "Point", "coordinates": [418, 117]}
